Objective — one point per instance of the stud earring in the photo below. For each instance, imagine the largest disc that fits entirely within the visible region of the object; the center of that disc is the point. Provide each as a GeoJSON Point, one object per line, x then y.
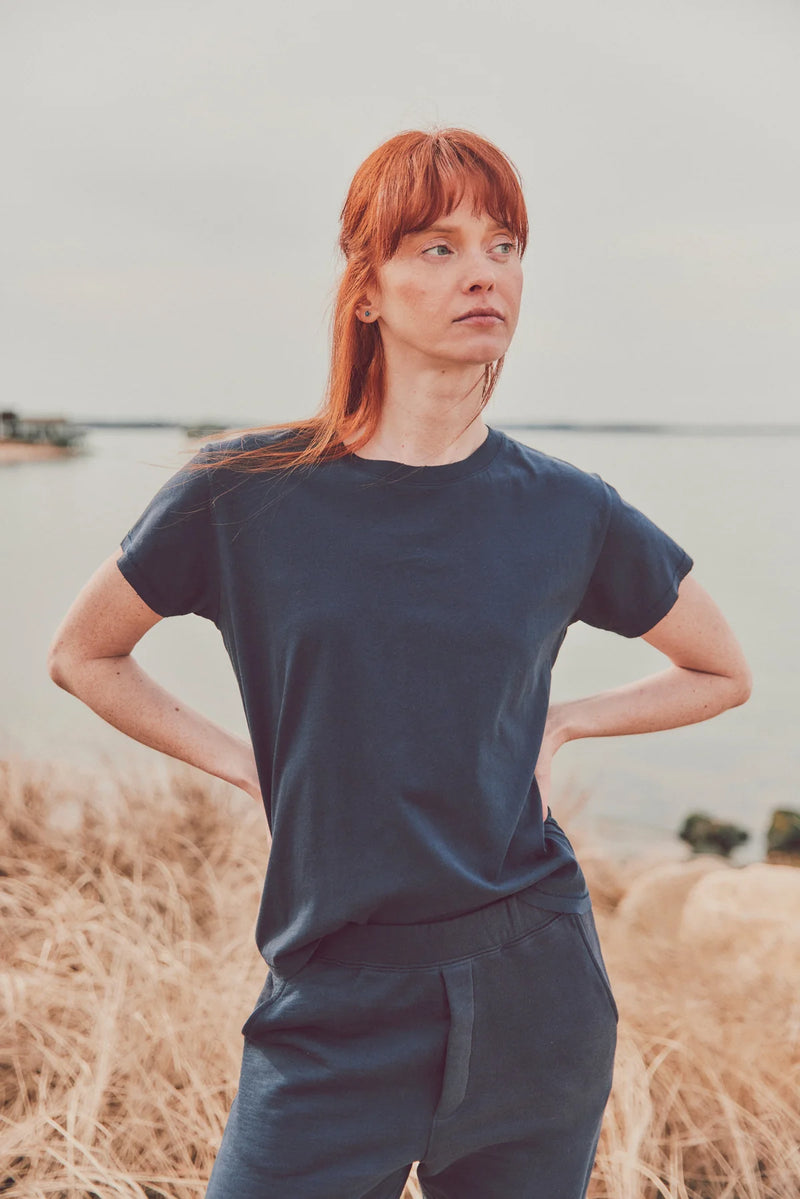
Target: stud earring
{"type": "Point", "coordinates": [366, 312]}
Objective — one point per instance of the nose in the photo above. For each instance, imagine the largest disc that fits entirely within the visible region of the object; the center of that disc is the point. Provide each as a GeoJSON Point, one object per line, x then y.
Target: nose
{"type": "Point", "coordinates": [479, 272]}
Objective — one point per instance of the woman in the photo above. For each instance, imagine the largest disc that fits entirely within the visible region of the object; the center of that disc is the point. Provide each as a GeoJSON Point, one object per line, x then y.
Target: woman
{"type": "Point", "coordinates": [393, 580]}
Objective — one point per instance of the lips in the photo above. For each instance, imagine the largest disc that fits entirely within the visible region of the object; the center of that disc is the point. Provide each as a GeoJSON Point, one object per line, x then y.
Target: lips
{"type": "Point", "coordinates": [479, 312]}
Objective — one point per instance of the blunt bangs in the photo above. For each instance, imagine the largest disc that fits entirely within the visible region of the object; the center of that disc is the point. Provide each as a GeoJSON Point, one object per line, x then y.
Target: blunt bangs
{"type": "Point", "coordinates": [416, 178]}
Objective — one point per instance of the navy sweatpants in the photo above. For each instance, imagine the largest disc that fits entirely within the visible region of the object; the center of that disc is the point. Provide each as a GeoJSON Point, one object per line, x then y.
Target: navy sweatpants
{"type": "Point", "coordinates": [481, 1047]}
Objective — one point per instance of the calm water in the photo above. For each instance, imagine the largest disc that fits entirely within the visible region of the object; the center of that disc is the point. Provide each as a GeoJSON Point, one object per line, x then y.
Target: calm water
{"type": "Point", "coordinates": [731, 501]}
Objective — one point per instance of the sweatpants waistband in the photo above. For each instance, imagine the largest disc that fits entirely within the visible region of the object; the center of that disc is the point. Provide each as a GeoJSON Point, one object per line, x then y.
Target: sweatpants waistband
{"type": "Point", "coordinates": [452, 939]}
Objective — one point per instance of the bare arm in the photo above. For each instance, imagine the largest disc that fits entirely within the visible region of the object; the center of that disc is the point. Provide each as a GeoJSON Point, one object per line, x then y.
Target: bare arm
{"type": "Point", "coordinates": [90, 657]}
{"type": "Point", "coordinates": [708, 674]}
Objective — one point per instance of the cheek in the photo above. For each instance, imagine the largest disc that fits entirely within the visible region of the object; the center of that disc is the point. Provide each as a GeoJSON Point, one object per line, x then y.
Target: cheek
{"type": "Point", "coordinates": [408, 298]}
{"type": "Point", "coordinates": [412, 296]}
{"type": "Point", "coordinates": [514, 285]}
{"type": "Point", "coordinates": [513, 294]}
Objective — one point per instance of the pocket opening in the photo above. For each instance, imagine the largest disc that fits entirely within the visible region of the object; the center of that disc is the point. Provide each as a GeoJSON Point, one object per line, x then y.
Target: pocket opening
{"type": "Point", "coordinates": [581, 919]}
{"type": "Point", "coordinates": [272, 989]}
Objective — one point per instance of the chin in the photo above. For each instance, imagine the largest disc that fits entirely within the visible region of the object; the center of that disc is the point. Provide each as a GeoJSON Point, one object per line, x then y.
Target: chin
{"type": "Point", "coordinates": [482, 357]}
{"type": "Point", "coordinates": [479, 353]}
{"type": "Point", "coordinates": [486, 346]}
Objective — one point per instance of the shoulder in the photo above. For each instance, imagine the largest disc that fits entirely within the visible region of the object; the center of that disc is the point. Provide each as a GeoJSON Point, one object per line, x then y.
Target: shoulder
{"type": "Point", "coordinates": [244, 454]}
{"type": "Point", "coordinates": [246, 440]}
{"type": "Point", "coordinates": [555, 473]}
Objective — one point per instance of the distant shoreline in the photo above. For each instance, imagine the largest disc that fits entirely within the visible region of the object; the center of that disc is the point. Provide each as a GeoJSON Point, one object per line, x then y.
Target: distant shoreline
{"type": "Point", "coordinates": [685, 429]}
{"type": "Point", "coordinates": [27, 451]}
{"type": "Point", "coordinates": [13, 452]}
{"type": "Point", "coordinates": [614, 427]}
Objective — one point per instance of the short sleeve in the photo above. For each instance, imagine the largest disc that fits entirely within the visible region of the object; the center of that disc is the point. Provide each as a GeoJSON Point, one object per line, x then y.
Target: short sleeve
{"type": "Point", "coordinates": [169, 554]}
{"type": "Point", "coordinates": [636, 577]}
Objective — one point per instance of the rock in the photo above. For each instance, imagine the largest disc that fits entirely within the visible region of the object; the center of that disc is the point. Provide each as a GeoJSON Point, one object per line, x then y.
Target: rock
{"type": "Point", "coordinates": [653, 904]}
{"type": "Point", "coordinates": [783, 836]}
{"type": "Point", "coordinates": [706, 835]}
{"type": "Point", "coordinates": [745, 922]}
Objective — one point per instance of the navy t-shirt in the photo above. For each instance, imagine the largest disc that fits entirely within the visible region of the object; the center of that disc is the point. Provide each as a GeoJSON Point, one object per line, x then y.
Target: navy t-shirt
{"type": "Point", "coordinates": [393, 630]}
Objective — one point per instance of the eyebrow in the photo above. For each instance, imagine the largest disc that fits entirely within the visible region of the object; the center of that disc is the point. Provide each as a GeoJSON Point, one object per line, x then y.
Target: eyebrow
{"type": "Point", "coordinates": [495, 225]}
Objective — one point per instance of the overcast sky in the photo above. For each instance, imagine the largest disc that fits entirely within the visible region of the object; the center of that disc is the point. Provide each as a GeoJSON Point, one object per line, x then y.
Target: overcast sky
{"type": "Point", "coordinates": [173, 172]}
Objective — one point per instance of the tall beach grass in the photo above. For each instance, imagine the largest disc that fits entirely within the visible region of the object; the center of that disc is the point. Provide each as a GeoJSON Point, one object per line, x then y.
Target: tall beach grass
{"type": "Point", "coordinates": [127, 966]}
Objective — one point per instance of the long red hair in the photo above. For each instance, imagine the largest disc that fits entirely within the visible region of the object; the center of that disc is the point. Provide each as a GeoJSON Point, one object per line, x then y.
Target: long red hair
{"type": "Point", "coordinates": [402, 187]}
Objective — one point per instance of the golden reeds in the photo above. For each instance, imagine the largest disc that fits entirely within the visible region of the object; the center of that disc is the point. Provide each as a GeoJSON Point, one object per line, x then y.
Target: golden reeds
{"type": "Point", "coordinates": [127, 966]}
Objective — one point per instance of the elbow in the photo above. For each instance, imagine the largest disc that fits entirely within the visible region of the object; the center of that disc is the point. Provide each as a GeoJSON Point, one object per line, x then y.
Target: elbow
{"type": "Point", "coordinates": [58, 666]}
{"type": "Point", "coordinates": [741, 687]}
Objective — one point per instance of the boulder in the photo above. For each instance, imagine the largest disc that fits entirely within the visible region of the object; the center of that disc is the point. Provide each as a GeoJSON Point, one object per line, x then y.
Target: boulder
{"type": "Point", "coordinates": [783, 837]}
{"type": "Point", "coordinates": [745, 922]}
{"type": "Point", "coordinates": [653, 904]}
{"type": "Point", "coordinates": [706, 835]}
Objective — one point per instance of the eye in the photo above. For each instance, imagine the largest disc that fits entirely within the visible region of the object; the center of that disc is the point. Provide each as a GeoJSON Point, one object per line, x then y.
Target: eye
{"type": "Point", "coordinates": [508, 246]}
{"type": "Point", "coordinates": [430, 250]}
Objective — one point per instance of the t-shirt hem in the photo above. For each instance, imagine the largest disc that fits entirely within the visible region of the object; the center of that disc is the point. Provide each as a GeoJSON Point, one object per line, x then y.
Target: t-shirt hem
{"type": "Point", "coordinates": [129, 569]}
{"type": "Point", "coordinates": [666, 602]}
{"type": "Point", "coordinates": [575, 904]}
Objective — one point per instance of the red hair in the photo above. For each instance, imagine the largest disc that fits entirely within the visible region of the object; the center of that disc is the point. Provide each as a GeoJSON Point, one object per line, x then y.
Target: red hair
{"type": "Point", "coordinates": [402, 187]}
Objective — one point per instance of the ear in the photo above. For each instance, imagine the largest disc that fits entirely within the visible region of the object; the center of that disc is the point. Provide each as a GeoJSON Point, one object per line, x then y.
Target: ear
{"type": "Point", "coordinates": [371, 299]}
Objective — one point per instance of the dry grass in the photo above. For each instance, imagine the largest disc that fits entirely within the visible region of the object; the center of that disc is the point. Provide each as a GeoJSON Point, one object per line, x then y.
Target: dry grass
{"type": "Point", "coordinates": [128, 964]}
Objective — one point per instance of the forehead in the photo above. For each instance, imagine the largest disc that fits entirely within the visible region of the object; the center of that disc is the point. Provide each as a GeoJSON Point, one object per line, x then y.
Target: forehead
{"type": "Point", "coordinates": [463, 214]}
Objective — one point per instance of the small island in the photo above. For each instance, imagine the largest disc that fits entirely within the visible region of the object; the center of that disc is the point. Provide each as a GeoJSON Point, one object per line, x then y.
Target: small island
{"type": "Point", "coordinates": [37, 438]}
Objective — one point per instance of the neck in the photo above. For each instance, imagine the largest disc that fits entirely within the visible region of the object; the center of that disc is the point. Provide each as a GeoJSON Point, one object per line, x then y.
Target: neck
{"type": "Point", "coordinates": [428, 421]}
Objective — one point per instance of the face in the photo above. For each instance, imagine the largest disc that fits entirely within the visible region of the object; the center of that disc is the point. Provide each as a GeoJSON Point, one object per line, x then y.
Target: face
{"type": "Point", "coordinates": [462, 262]}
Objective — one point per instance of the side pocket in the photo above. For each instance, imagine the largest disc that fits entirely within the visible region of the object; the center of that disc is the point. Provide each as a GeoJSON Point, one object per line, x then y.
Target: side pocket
{"type": "Point", "coordinates": [585, 924]}
{"type": "Point", "coordinates": [272, 988]}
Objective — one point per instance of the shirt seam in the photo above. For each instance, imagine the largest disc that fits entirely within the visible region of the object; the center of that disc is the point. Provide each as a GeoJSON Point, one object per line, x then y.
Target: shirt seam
{"type": "Point", "coordinates": [212, 525]}
{"type": "Point", "coordinates": [408, 481]}
{"type": "Point", "coordinates": [602, 541]}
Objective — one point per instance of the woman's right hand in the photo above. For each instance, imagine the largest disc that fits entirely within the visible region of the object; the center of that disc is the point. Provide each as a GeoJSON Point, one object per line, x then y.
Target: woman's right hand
{"type": "Point", "coordinates": [90, 657]}
{"type": "Point", "coordinates": [249, 773]}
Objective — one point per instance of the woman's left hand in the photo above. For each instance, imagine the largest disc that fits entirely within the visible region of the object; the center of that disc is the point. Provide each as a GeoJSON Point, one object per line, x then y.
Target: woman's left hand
{"type": "Point", "coordinates": [708, 674]}
{"type": "Point", "coordinates": [553, 738]}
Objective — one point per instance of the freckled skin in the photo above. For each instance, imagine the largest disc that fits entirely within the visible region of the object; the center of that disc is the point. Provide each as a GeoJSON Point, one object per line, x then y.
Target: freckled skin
{"type": "Point", "coordinates": [423, 290]}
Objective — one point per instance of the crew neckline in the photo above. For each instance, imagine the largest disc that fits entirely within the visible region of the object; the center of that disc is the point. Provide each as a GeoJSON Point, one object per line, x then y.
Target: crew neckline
{"type": "Point", "coordinates": [425, 476]}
